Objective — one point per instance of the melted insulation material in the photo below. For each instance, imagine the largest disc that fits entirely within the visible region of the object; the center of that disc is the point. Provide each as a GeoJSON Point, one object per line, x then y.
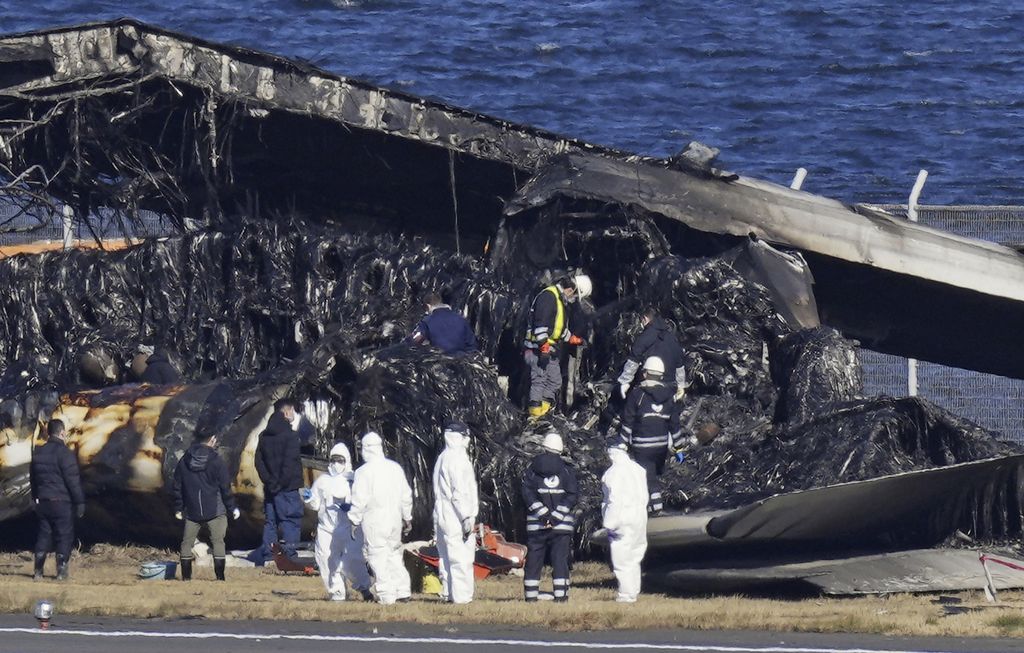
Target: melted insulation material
{"type": "Point", "coordinates": [320, 311]}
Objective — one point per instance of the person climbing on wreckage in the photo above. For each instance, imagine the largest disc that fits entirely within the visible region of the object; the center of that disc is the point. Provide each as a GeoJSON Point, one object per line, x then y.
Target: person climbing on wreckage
{"type": "Point", "coordinates": [338, 554]}
{"type": "Point", "coordinates": [656, 339]}
{"type": "Point", "coordinates": [650, 424]}
{"type": "Point", "coordinates": [546, 330]}
{"type": "Point", "coordinates": [444, 328]}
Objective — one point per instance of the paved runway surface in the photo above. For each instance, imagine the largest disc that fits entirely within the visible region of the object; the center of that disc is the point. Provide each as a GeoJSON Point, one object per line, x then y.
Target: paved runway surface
{"type": "Point", "coordinates": [19, 634]}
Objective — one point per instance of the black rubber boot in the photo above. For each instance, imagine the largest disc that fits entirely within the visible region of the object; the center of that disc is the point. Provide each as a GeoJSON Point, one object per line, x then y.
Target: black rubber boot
{"type": "Point", "coordinates": [218, 568]}
{"type": "Point", "coordinates": [186, 569]}
{"type": "Point", "coordinates": [62, 567]}
{"type": "Point", "coordinates": [37, 574]}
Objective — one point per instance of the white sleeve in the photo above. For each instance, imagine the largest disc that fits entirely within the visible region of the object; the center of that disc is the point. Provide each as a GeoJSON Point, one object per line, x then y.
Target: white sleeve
{"type": "Point", "coordinates": [464, 490]}
{"type": "Point", "coordinates": [360, 498]}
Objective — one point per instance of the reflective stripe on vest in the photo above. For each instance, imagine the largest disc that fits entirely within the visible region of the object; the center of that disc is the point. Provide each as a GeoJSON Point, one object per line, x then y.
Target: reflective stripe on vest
{"type": "Point", "coordinates": [559, 327]}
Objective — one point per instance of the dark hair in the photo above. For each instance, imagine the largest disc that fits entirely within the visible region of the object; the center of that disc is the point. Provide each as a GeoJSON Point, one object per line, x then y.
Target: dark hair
{"type": "Point", "coordinates": [650, 313]}
{"type": "Point", "coordinates": [54, 428]}
{"type": "Point", "coordinates": [6, 421]}
{"type": "Point", "coordinates": [566, 282]}
{"type": "Point", "coordinates": [280, 404]}
{"type": "Point", "coordinates": [432, 299]}
{"type": "Point", "coordinates": [204, 436]}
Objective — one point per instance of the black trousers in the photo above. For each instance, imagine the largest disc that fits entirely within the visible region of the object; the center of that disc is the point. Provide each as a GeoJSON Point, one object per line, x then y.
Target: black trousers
{"type": "Point", "coordinates": [652, 459]}
{"type": "Point", "coordinates": [56, 527]}
{"type": "Point", "coordinates": [552, 545]}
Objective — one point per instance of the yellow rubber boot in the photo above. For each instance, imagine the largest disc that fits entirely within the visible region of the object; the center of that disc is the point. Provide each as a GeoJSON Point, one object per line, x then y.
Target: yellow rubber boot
{"type": "Point", "coordinates": [541, 410]}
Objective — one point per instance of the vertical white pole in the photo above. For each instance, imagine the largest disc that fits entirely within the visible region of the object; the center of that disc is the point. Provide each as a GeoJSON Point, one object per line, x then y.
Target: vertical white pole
{"type": "Point", "coordinates": [798, 178]}
{"type": "Point", "coordinates": [67, 213]}
{"type": "Point", "coordinates": [915, 194]}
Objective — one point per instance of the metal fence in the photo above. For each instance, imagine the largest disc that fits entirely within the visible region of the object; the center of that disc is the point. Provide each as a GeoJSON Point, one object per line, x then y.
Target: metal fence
{"type": "Point", "coordinates": [17, 228]}
{"type": "Point", "coordinates": [995, 402]}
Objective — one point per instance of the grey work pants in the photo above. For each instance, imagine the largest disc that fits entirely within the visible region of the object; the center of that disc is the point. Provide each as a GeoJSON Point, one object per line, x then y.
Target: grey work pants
{"type": "Point", "coordinates": [545, 384]}
{"type": "Point", "coordinates": [218, 527]}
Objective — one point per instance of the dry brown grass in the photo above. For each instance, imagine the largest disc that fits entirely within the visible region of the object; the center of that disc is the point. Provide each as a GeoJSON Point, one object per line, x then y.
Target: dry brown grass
{"type": "Point", "coordinates": [104, 584]}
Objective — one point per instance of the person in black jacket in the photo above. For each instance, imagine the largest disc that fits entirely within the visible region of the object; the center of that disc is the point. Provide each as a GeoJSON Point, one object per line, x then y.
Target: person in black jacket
{"type": "Point", "coordinates": [550, 492]}
{"type": "Point", "coordinates": [57, 497]}
{"type": "Point", "coordinates": [159, 370]}
{"type": "Point", "coordinates": [657, 339]}
{"type": "Point", "coordinates": [547, 329]}
{"type": "Point", "coordinates": [650, 424]}
{"type": "Point", "coordinates": [202, 496]}
{"type": "Point", "coordinates": [279, 466]}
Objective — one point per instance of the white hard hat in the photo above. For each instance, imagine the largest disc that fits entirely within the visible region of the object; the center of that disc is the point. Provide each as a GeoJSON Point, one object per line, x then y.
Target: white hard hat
{"type": "Point", "coordinates": [583, 286]}
{"type": "Point", "coordinates": [654, 365]}
{"type": "Point", "coordinates": [553, 442]}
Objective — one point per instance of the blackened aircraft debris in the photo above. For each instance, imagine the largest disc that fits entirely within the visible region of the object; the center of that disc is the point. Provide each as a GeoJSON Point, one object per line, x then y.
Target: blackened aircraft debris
{"type": "Point", "coordinates": [308, 213]}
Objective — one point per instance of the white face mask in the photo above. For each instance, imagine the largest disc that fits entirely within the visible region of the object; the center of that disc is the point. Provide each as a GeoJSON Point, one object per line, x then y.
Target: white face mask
{"type": "Point", "coordinates": [336, 468]}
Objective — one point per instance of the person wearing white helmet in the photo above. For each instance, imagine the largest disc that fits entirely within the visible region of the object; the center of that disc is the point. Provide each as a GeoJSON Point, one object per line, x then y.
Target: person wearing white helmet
{"type": "Point", "coordinates": [656, 339]}
{"type": "Point", "coordinates": [337, 555]}
{"type": "Point", "coordinates": [455, 509]}
{"type": "Point", "coordinates": [650, 424]}
{"type": "Point", "coordinates": [550, 492]}
{"type": "Point", "coordinates": [624, 517]}
{"type": "Point", "coordinates": [547, 329]}
{"type": "Point", "coordinates": [382, 511]}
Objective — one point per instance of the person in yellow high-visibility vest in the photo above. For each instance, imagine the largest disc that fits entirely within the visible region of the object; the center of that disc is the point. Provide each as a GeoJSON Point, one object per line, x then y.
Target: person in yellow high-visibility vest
{"type": "Point", "coordinates": [547, 329]}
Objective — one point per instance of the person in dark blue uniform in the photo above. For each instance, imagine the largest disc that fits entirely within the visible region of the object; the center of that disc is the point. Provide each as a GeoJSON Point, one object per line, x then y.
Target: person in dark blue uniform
{"type": "Point", "coordinates": [550, 491]}
{"type": "Point", "coordinates": [657, 339]}
{"type": "Point", "coordinates": [57, 498]}
{"type": "Point", "coordinates": [650, 425]}
{"type": "Point", "coordinates": [444, 328]}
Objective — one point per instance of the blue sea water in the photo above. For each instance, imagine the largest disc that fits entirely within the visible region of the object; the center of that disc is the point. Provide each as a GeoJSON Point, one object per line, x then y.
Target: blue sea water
{"type": "Point", "coordinates": [861, 93]}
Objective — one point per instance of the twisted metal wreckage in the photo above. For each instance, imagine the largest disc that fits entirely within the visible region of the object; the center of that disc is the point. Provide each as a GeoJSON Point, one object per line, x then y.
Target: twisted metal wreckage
{"type": "Point", "coordinates": [308, 213]}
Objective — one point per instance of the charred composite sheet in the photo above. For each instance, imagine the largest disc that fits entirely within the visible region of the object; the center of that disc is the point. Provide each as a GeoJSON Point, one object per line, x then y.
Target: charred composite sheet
{"type": "Point", "coordinates": [309, 215]}
{"type": "Point", "coordinates": [270, 135]}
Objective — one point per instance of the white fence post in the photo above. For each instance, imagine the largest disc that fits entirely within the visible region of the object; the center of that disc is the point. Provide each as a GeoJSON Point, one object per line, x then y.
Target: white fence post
{"type": "Point", "coordinates": [67, 213]}
{"type": "Point", "coordinates": [798, 178]}
{"type": "Point", "coordinates": [915, 194]}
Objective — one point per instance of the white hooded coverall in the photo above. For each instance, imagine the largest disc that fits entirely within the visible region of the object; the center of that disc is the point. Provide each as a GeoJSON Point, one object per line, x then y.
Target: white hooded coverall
{"type": "Point", "coordinates": [381, 501]}
{"type": "Point", "coordinates": [455, 510]}
{"type": "Point", "coordinates": [337, 555]}
{"type": "Point", "coordinates": [624, 512]}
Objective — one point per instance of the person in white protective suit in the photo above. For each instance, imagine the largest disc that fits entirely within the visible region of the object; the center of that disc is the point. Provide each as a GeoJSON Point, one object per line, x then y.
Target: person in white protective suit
{"type": "Point", "coordinates": [455, 510]}
{"type": "Point", "coordinates": [382, 510]}
{"type": "Point", "coordinates": [624, 512]}
{"type": "Point", "coordinates": [337, 555]}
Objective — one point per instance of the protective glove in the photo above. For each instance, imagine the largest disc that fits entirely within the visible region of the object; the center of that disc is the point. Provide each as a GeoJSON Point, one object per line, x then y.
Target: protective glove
{"type": "Point", "coordinates": [575, 341]}
{"type": "Point", "coordinates": [680, 455]}
{"type": "Point", "coordinates": [613, 534]}
{"type": "Point", "coordinates": [80, 510]}
{"type": "Point", "coordinates": [235, 514]}
{"type": "Point", "coordinates": [467, 528]}
{"type": "Point", "coordinates": [179, 516]}
{"type": "Point", "coordinates": [680, 393]}
{"type": "Point", "coordinates": [623, 389]}
{"type": "Point", "coordinates": [406, 528]}
{"type": "Point", "coordinates": [306, 494]}
{"type": "Point", "coordinates": [345, 507]}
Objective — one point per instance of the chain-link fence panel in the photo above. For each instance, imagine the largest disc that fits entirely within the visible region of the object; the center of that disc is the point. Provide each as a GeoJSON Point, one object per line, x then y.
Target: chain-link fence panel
{"type": "Point", "coordinates": [994, 402]}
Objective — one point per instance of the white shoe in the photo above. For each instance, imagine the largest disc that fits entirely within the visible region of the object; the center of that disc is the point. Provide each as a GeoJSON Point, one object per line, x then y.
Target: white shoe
{"type": "Point", "coordinates": [337, 596]}
{"type": "Point", "coordinates": [625, 599]}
